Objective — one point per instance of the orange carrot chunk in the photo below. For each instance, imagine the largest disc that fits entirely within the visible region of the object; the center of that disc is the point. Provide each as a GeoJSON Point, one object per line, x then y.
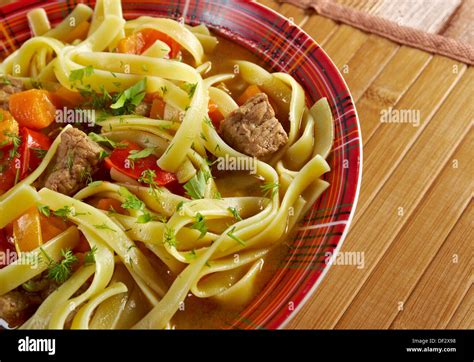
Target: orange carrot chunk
{"type": "Point", "coordinates": [8, 128]}
{"type": "Point", "coordinates": [32, 108]}
{"type": "Point", "coordinates": [27, 231]}
{"type": "Point", "coordinates": [63, 97]}
{"type": "Point", "coordinates": [109, 204]}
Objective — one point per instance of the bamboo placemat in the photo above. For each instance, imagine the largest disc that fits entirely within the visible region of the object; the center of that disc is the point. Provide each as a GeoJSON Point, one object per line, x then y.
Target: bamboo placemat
{"type": "Point", "coordinates": [413, 222]}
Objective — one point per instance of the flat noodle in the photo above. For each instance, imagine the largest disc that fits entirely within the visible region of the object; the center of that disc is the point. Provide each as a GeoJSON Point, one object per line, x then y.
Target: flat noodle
{"type": "Point", "coordinates": [195, 240]}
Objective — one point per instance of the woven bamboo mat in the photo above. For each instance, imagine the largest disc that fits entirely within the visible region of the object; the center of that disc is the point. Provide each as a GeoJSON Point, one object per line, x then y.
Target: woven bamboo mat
{"type": "Point", "coordinates": [414, 217]}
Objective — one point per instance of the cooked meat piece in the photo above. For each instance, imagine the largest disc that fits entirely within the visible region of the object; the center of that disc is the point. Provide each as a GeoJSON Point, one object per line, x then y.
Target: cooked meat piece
{"type": "Point", "coordinates": [143, 109]}
{"type": "Point", "coordinates": [9, 86]}
{"type": "Point", "coordinates": [76, 160]}
{"type": "Point", "coordinates": [253, 129]}
{"type": "Point", "coordinates": [17, 306]}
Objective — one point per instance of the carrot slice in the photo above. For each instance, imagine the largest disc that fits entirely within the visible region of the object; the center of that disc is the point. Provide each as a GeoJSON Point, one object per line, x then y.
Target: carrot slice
{"type": "Point", "coordinates": [51, 226]}
{"type": "Point", "coordinates": [251, 91]}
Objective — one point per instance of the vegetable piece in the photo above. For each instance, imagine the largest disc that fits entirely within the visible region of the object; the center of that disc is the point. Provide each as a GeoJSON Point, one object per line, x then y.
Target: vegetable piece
{"type": "Point", "coordinates": [63, 97]}
{"type": "Point", "coordinates": [109, 204]}
{"type": "Point", "coordinates": [251, 91]}
{"type": "Point", "coordinates": [196, 187]}
{"type": "Point", "coordinates": [51, 226]}
{"type": "Point", "coordinates": [215, 115]}
{"type": "Point", "coordinates": [8, 128]}
{"type": "Point", "coordinates": [27, 231]}
{"type": "Point", "coordinates": [33, 147]}
{"type": "Point", "coordinates": [32, 108]}
{"type": "Point", "coordinates": [128, 161]}
{"type": "Point", "coordinates": [60, 271]}
{"type": "Point", "coordinates": [140, 41]}
{"type": "Point", "coordinates": [126, 101]}
{"type": "Point", "coordinates": [83, 245]}
{"type": "Point", "coordinates": [8, 171]}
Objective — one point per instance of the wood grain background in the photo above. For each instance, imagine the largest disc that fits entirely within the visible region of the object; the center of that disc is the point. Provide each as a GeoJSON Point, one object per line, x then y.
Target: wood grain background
{"type": "Point", "coordinates": [414, 218]}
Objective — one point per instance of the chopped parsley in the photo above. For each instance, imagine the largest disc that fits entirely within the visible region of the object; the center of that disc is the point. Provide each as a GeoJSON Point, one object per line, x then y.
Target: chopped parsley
{"type": "Point", "coordinates": [131, 201]}
{"type": "Point", "coordinates": [169, 236]}
{"type": "Point", "coordinates": [144, 218]}
{"type": "Point", "coordinates": [148, 177]}
{"type": "Point", "coordinates": [135, 154]}
{"type": "Point", "coordinates": [235, 213]}
{"type": "Point", "coordinates": [270, 188]}
{"type": "Point", "coordinates": [66, 212]}
{"type": "Point", "coordinates": [180, 205]}
{"type": "Point", "coordinates": [60, 271]}
{"type": "Point", "coordinates": [89, 257]}
{"type": "Point", "coordinates": [44, 209]}
{"type": "Point", "coordinates": [200, 225]}
{"type": "Point", "coordinates": [196, 187]}
{"type": "Point", "coordinates": [231, 235]}
{"type": "Point", "coordinates": [126, 101]}
{"type": "Point", "coordinates": [104, 226]}
{"type": "Point", "coordinates": [190, 88]}
{"type": "Point", "coordinates": [104, 140]}
{"type": "Point", "coordinates": [79, 74]}
{"type": "Point", "coordinates": [40, 153]}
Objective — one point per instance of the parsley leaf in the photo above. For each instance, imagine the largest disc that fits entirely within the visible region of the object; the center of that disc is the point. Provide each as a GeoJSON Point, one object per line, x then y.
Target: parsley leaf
{"type": "Point", "coordinates": [89, 257]}
{"type": "Point", "coordinates": [65, 212]}
{"type": "Point", "coordinates": [196, 187]}
{"type": "Point", "coordinates": [169, 236]}
{"type": "Point", "coordinates": [131, 201]}
{"type": "Point", "coordinates": [270, 188]}
{"type": "Point", "coordinates": [135, 154]}
{"type": "Point", "coordinates": [44, 209]}
{"type": "Point", "coordinates": [231, 235]}
{"type": "Point", "coordinates": [104, 226]}
{"type": "Point", "coordinates": [60, 271]}
{"type": "Point", "coordinates": [40, 153]}
{"type": "Point", "coordinates": [79, 74]}
{"type": "Point", "coordinates": [235, 213]}
{"type": "Point", "coordinates": [103, 140]}
{"type": "Point", "coordinates": [126, 101]}
{"type": "Point", "coordinates": [200, 225]}
{"type": "Point", "coordinates": [190, 88]}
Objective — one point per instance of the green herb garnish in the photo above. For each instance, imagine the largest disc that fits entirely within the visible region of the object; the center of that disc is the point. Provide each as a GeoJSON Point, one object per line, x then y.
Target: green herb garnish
{"type": "Point", "coordinates": [200, 225]}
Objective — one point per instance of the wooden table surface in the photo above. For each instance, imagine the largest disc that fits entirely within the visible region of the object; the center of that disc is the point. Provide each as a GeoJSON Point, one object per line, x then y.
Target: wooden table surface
{"type": "Point", "coordinates": [414, 217]}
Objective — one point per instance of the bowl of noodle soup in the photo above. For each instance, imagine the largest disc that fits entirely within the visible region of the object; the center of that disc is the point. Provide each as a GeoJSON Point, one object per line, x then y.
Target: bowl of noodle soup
{"type": "Point", "coordinates": [215, 176]}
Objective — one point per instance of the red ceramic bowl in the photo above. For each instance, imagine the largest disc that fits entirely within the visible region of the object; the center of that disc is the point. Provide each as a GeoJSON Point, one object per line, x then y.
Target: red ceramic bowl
{"type": "Point", "coordinates": [287, 48]}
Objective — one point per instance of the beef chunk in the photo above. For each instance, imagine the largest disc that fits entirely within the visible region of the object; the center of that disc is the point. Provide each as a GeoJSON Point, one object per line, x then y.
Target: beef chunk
{"type": "Point", "coordinates": [253, 129]}
{"type": "Point", "coordinates": [76, 160]}
{"type": "Point", "coordinates": [9, 86]}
